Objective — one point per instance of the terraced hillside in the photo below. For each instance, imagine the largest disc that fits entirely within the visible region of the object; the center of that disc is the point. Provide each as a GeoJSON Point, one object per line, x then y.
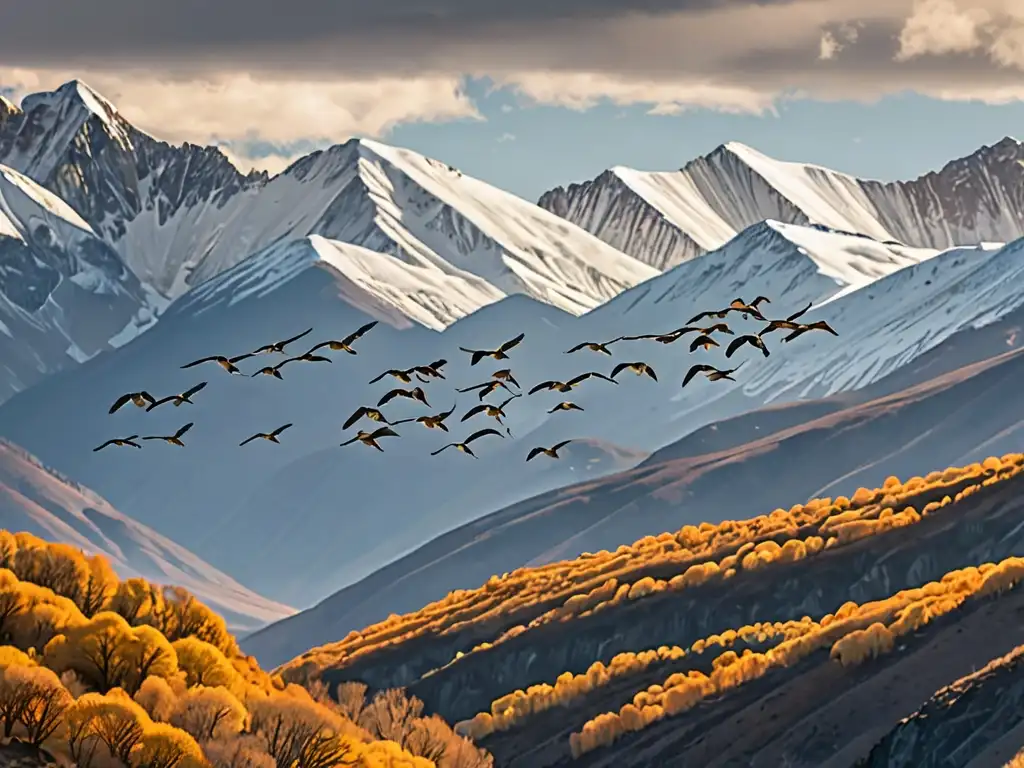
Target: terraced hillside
{"type": "Point", "coordinates": [799, 637]}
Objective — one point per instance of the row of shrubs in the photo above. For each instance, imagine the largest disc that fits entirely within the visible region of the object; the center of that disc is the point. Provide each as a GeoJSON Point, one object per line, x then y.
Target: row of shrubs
{"type": "Point", "coordinates": [507, 605]}
{"type": "Point", "coordinates": [102, 672]}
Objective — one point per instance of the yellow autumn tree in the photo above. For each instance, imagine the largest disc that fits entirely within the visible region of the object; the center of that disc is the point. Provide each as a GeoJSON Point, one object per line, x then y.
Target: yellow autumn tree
{"type": "Point", "coordinates": [44, 700]}
{"type": "Point", "coordinates": [101, 652]}
{"type": "Point", "coordinates": [164, 746]}
{"type": "Point", "coordinates": [209, 713]}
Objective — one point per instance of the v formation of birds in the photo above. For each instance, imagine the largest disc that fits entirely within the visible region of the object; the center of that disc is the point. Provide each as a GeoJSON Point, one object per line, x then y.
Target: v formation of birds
{"type": "Point", "coordinates": [703, 337]}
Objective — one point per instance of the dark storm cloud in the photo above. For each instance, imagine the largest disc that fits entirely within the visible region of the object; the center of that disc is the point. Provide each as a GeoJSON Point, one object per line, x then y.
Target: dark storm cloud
{"type": "Point", "coordinates": [39, 32]}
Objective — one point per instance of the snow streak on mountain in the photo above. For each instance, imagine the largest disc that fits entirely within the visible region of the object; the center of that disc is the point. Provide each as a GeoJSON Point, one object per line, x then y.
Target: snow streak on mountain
{"type": "Point", "coordinates": [666, 218]}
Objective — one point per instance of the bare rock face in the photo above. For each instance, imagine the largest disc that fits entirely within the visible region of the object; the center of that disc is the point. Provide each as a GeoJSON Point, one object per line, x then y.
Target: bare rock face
{"type": "Point", "coordinates": [665, 218]}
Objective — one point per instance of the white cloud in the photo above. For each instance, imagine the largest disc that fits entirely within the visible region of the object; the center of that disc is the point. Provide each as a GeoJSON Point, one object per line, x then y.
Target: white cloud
{"type": "Point", "coordinates": [945, 27]}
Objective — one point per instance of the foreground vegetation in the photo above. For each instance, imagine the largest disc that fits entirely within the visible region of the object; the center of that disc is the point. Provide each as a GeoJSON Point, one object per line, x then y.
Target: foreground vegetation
{"type": "Point", "coordinates": [100, 672]}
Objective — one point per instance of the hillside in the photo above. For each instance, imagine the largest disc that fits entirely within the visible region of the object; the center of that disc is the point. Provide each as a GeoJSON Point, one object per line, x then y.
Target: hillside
{"type": "Point", "coordinates": [98, 671]}
{"type": "Point", "coordinates": [669, 217]}
{"type": "Point", "coordinates": [727, 470]}
{"type": "Point", "coordinates": [799, 637]}
{"type": "Point", "coordinates": [35, 499]}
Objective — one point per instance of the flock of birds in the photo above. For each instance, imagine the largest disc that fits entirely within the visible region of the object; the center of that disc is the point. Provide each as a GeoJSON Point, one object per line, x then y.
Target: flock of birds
{"type": "Point", "coordinates": [499, 380]}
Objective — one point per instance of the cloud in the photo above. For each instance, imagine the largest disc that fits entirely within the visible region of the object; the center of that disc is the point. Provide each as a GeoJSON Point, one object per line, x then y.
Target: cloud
{"type": "Point", "coordinates": [241, 71]}
{"type": "Point", "coordinates": [506, 137]}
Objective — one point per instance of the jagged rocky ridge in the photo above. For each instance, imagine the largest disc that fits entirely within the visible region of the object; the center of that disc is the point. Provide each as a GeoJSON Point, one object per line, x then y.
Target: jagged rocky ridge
{"type": "Point", "coordinates": [668, 217]}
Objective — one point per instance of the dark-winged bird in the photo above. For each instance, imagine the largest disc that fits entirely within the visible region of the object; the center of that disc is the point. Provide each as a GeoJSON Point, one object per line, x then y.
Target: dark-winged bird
{"type": "Point", "coordinates": [278, 346]}
{"type": "Point", "coordinates": [371, 438]}
{"type": "Point", "coordinates": [552, 451]}
{"type": "Point", "coordinates": [270, 370]}
{"type": "Point", "coordinates": [271, 436]}
{"type": "Point", "coordinates": [184, 397]}
{"type": "Point", "coordinates": [566, 406]}
{"type": "Point", "coordinates": [464, 445]}
{"type": "Point", "coordinates": [821, 325]}
{"type": "Point", "coordinates": [403, 375]}
{"type": "Point", "coordinates": [595, 346]}
{"type": "Point", "coordinates": [140, 399]}
{"type": "Point", "coordinates": [566, 386]}
{"type": "Point", "coordinates": [432, 371]}
{"type": "Point", "coordinates": [712, 373]}
{"type": "Point", "coordinates": [305, 357]}
{"type": "Point", "coordinates": [346, 343]}
{"type": "Point", "coordinates": [754, 341]}
{"type": "Point", "coordinates": [789, 324]}
{"type": "Point", "coordinates": [227, 363]}
{"type": "Point", "coordinates": [371, 413]}
{"type": "Point", "coordinates": [703, 341]}
{"type": "Point", "coordinates": [721, 314]}
{"type": "Point", "coordinates": [430, 422]}
{"type": "Point", "coordinates": [638, 368]}
{"type": "Point", "coordinates": [174, 439]}
{"type": "Point", "coordinates": [412, 394]}
{"type": "Point", "coordinates": [494, 411]}
{"type": "Point", "coordinates": [486, 388]}
{"type": "Point", "coordinates": [505, 374]}
{"type": "Point", "coordinates": [119, 441]}
{"type": "Point", "coordinates": [476, 355]}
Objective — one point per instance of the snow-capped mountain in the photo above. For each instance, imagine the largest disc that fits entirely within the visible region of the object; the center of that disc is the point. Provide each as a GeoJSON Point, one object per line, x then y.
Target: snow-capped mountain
{"type": "Point", "coordinates": [665, 218]}
{"type": "Point", "coordinates": [181, 215]}
{"type": "Point", "coordinates": [65, 295]}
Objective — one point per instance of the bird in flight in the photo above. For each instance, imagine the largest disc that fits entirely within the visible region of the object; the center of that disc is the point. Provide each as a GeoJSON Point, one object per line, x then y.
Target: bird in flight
{"type": "Point", "coordinates": [638, 368]}
{"type": "Point", "coordinates": [505, 374]}
{"type": "Point", "coordinates": [754, 341]}
{"type": "Point", "coordinates": [595, 346]}
{"type": "Point", "coordinates": [403, 375]}
{"type": "Point", "coordinates": [742, 305]}
{"type": "Point", "coordinates": [346, 343]}
{"type": "Point", "coordinates": [552, 451]}
{"type": "Point", "coordinates": [712, 373]}
{"type": "Point", "coordinates": [703, 341]}
{"type": "Point", "coordinates": [305, 357]}
{"type": "Point", "coordinates": [174, 439]}
{"type": "Point", "coordinates": [566, 386]}
{"type": "Point", "coordinates": [486, 388]}
{"type": "Point", "coordinates": [494, 411]}
{"type": "Point", "coordinates": [721, 314]}
{"type": "Point", "coordinates": [412, 394]}
{"type": "Point", "coordinates": [678, 333]}
{"type": "Point", "coordinates": [430, 422]}
{"type": "Point", "coordinates": [371, 438]}
{"type": "Point", "coordinates": [789, 324]}
{"type": "Point", "coordinates": [432, 371]}
{"type": "Point", "coordinates": [270, 370]}
{"type": "Point", "coordinates": [464, 445]}
{"type": "Point", "coordinates": [476, 355]}
{"type": "Point", "coordinates": [271, 436]}
{"type": "Point", "coordinates": [184, 397]}
{"type": "Point", "coordinates": [140, 399]}
{"type": "Point", "coordinates": [119, 441]}
{"type": "Point", "coordinates": [566, 406]}
{"type": "Point", "coordinates": [227, 363]}
{"type": "Point", "coordinates": [371, 413]}
{"type": "Point", "coordinates": [821, 325]}
{"type": "Point", "coordinates": [278, 346]}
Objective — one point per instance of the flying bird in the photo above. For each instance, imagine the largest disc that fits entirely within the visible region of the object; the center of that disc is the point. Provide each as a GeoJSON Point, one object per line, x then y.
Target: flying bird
{"type": "Point", "coordinates": [371, 438]}
{"type": "Point", "coordinates": [487, 387]}
{"type": "Point", "coordinates": [821, 325]}
{"type": "Point", "coordinates": [184, 397]}
{"type": "Point", "coordinates": [552, 451]}
{"type": "Point", "coordinates": [271, 436]}
{"type": "Point", "coordinates": [595, 346]}
{"type": "Point", "coordinates": [432, 371]}
{"type": "Point", "coordinates": [638, 368]}
{"type": "Point", "coordinates": [494, 411]}
{"type": "Point", "coordinates": [119, 441]}
{"type": "Point", "coordinates": [270, 370]}
{"type": "Point", "coordinates": [305, 357]}
{"type": "Point", "coordinates": [704, 341]}
{"type": "Point", "coordinates": [712, 373]}
{"type": "Point", "coordinates": [740, 304]}
{"type": "Point", "coordinates": [227, 363]}
{"type": "Point", "coordinates": [789, 324]}
{"type": "Point", "coordinates": [346, 343]}
{"type": "Point", "coordinates": [464, 445]}
{"type": "Point", "coordinates": [403, 375]}
{"type": "Point", "coordinates": [140, 399]}
{"type": "Point", "coordinates": [413, 394]}
{"type": "Point", "coordinates": [476, 355]}
{"type": "Point", "coordinates": [678, 333]}
{"type": "Point", "coordinates": [566, 406]}
{"type": "Point", "coordinates": [721, 314]}
{"type": "Point", "coordinates": [566, 386]}
{"type": "Point", "coordinates": [430, 422]}
{"type": "Point", "coordinates": [174, 439]}
{"type": "Point", "coordinates": [505, 374]}
{"type": "Point", "coordinates": [371, 413]}
{"type": "Point", "coordinates": [278, 346]}
{"type": "Point", "coordinates": [754, 341]}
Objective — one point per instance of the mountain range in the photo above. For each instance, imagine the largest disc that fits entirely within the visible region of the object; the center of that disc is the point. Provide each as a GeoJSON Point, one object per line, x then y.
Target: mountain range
{"type": "Point", "coordinates": [172, 254]}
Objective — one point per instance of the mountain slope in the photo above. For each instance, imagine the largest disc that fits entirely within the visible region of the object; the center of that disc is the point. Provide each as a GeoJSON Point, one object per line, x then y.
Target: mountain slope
{"type": "Point", "coordinates": [179, 216]}
{"type": "Point", "coordinates": [64, 294]}
{"type": "Point", "coordinates": [34, 498]}
{"type": "Point", "coordinates": [772, 457]}
{"type": "Point", "coordinates": [668, 217]}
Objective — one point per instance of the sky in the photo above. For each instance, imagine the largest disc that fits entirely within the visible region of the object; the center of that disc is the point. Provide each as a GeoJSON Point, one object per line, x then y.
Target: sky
{"type": "Point", "coordinates": [531, 95]}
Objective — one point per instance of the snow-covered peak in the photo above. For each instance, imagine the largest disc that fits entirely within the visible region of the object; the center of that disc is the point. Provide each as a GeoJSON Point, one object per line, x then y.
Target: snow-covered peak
{"type": "Point", "coordinates": [73, 94]}
{"type": "Point", "coordinates": [664, 218]}
{"type": "Point", "coordinates": [11, 180]}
